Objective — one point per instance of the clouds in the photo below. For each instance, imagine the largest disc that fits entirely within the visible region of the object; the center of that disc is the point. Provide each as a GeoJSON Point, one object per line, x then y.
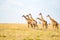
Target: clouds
{"type": "Point", "coordinates": [12, 10]}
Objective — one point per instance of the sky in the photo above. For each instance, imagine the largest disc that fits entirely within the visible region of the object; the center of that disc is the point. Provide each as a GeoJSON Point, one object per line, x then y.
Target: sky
{"type": "Point", "coordinates": [11, 11]}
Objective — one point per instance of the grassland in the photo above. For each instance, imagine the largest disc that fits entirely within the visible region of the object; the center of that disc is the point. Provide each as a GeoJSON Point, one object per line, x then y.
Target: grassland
{"type": "Point", "coordinates": [22, 32]}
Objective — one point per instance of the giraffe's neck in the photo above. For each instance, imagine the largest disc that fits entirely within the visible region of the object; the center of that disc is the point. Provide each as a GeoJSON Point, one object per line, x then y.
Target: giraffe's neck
{"type": "Point", "coordinates": [42, 20]}
{"type": "Point", "coordinates": [51, 18]}
{"type": "Point", "coordinates": [41, 17]}
{"type": "Point", "coordinates": [31, 17]}
{"type": "Point", "coordinates": [28, 21]}
{"type": "Point", "coordinates": [28, 18]}
{"type": "Point", "coordinates": [25, 18]}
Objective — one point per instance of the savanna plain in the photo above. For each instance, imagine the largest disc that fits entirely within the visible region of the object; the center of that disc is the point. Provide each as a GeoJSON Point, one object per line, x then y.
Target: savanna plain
{"type": "Point", "coordinates": [17, 31]}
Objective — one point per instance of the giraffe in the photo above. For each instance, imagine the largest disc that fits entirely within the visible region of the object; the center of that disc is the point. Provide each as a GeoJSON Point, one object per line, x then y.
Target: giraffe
{"type": "Point", "coordinates": [54, 23]}
{"type": "Point", "coordinates": [28, 21]}
{"type": "Point", "coordinates": [44, 22]}
{"type": "Point", "coordinates": [35, 22]}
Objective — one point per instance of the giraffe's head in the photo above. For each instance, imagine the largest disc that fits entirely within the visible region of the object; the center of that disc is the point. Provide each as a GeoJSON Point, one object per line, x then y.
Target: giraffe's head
{"type": "Point", "coordinates": [22, 15]}
{"type": "Point", "coordinates": [40, 13]}
{"type": "Point", "coordinates": [30, 14]}
{"type": "Point", "coordinates": [27, 15]}
{"type": "Point", "coordinates": [48, 15]}
{"type": "Point", "coordinates": [37, 18]}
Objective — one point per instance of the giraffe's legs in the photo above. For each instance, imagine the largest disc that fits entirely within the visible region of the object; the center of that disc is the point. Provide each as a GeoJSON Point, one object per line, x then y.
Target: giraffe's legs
{"type": "Point", "coordinates": [53, 26]}
{"type": "Point", "coordinates": [36, 25]}
{"type": "Point", "coordinates": [46, 26]}
{"type": "Point", "coordinates": [32, 25]}
{"type": "Point", "coordinates": [28, 25]}
{"type": "Point", "coordinates": [43, 26]}
{"type": "Point", "coordinates": [57, 27]}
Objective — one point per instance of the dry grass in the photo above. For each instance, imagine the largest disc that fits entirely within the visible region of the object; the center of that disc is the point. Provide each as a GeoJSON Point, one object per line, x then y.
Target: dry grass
{"type": "Point", "coordinates": [22, 32]}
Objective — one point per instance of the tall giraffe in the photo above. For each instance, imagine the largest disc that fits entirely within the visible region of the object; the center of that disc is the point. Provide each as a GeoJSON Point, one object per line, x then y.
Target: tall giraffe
{"type": "Point", "coordinates": [28, 21]}
{"type": "Point", "coordinates": [54, 23]}
{"type": "Point", "coordinates": [44, 22]}
{"type": "Point", "coordinates": [35, 22]}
